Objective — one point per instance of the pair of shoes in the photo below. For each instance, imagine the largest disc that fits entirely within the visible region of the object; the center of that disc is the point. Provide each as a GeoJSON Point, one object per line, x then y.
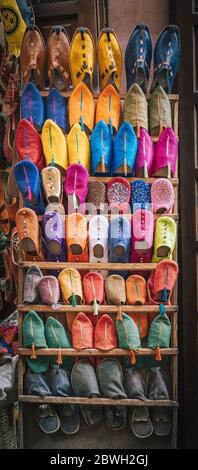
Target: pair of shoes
{"type": "Point", "coordinates": [87, 335]}
{"type": "Point", "coordinates": [106, 381]}
{"type": "Point", "coordinates": [156, 387]}
{"type": "Point", "coordinates": [49, 418]}
{"type": "Point", "coordinates": [39, 288]}
{"type": "Point", "coordinates": [138, 57]}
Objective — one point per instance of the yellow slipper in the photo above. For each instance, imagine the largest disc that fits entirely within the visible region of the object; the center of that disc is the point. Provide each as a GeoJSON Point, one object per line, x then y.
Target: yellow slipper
{"type": "Point", "coordinates": [78, 147]}
{"type": "Point", "coordinates": [109, 57]}
{"type": "Point", "coordinates": [81, 107]}
{"type": "Point", "coordinates": [81, 58]}
{"type": "Point", "coordinates": [165, 239]}
{"type": "Point", "coordinates": [54, 145]}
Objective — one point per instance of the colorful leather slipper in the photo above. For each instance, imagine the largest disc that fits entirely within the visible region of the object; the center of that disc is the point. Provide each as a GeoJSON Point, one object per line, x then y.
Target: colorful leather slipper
{"type": "Point", "coordinates": [56, 109]}
{"type": "Point", "coordinates": [13, 31]}
{"type": "Point", "coordinates": [58, 337]}
{"type": "Point", "coordinates": [36, 384]}
{"type": "Point", "coordinates": [4, 217]}
{"type": "Point", "coordinates": [34, 338]}
{"type": "Point", "coordinates": [96, 196]}
{"type": "Point", "coordinates": [8, 142]}
{"type": "Point", "coordinates": [167, 54]}
{"type": "Point", "coordinates": [71, 286]}
{"type": "Point", "coordinates": [110, 378]}
{"type": "Point", "coordinates": [140, 195]}
{"type": "Point", "coordinates": [162, 196]}
{"type": "Point", "coordinates": [109, 57]}
{"type": "Point", "coordinates": [47, 418]}
{"type": "Point", "coordinates": [58, 47]}
{"type": "Point", "coordinates": [12, 185]}
{"type": "Point", "coordinates": [32, 106]}
{"type": "Point", "coordinates": [33, 57]}
{"type": "Point", "coordinates": [49, 291]}
{"type": "Point", "coordinates": [124, 150]}
{"type": "Point", "coordinates": [119, 240]}
{"type": "Point", "coordinates": [28, 143]}
{"type": "Point", "coordinates": [28, 230]}
{"type": "Point", "coordinates": [98, 240]}
{"type": "Point", "coordinates": [93, 288]}
{"type": "Point", "coordinates": [53, 229]}
{"type": "Point", "coordinates": [135, 389]}
{"type": "Point", "coordinates": [54, 145]}
{"type": "Point", "coordinates": [136, 109]}
{"type": "Point", "coordinates": [145, 160]}
{"type": "Point", "coordinates": [138, 56]}
{"type": "Point", "coordinates": [159, 112]}
{"type": "Point", "coordinates": [82, 332]}
{"type": "Point", "coordinates": [142, 231]}
{"type": "Point", "coordinates": [115, 290]}
{"type": "Point", "coordinates": [85, 384]}
{"type": "Point", "coordinates": [165, 239]}
{"type": "Point", "coordinates": [101, 150]}
{"type": "Point", "coordinates": [31, 282]}
{"type": "Point", "coordinates": [76, 186]}
{"type": "Point", "coordinates": [161, 283]}
{"type": "Point", "coordinates": [136, 290]}
{"type": "Point", "coordinates": [108, 108]}
{"type": "Point", "coordinates": [82, 56]}
{"type": "Point", "coordinates": [166, 154]}
{"type": "Point", "coordinates": [82, 108]}
{"type": "Point", "coordinates": [51, 184]}
{"type": "Point", "coordinates": [29, 184]}
{"type": "Point", "coordinates": [118, 194]}
{"type": "Point", "coordinates": [77, 238]}
{"type": "Point", "coordinates": [60, 384]}
{"type": "Point", "coordinates": [158, 387]}
{"type": "Point", "coordinates": [105, 335]}
{"type": "Point", "coordinates": [27, 11]}
{"type": "Point", "coordinates": [78, 146]}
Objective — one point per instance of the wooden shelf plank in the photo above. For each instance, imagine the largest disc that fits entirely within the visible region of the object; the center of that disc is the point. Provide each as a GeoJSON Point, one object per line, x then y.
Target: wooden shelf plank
{"type": "Point", "coordinates": [106, 179]}
{"type": "Point", "coordinates": [96, 401]}
{"type": "Point", "coordinates": [102, 308]}
{"type": "Point", "coordinates": [96, 352]}
{"type": "Point", "coordinates": [90, 266]}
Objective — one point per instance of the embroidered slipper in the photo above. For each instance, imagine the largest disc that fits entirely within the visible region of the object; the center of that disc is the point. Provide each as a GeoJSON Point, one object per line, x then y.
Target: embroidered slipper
{"type": "Point", "coordinates": [56, 109]}
{"type": "Point", "coordinates": [29, 184]}
{"type": "Point", "coordinates": [54, 145]}
{"type": "Point", "coordinates": [162, 196]}
{"type": "Point", "coordinates": [145, 160]}
{"type": "Point", "coordinates": [165, 239]}
{"type": "Point", "coordinates": [28, 143]}
{"type": "Point", "coordinates": [78, 146]}
{"type": "Point", "coordinates": [82, 108]}
{"type": "Point", "coordinates": [33, 57]}
{"type": "Point", "coordinates": [58, 47]}
{"type": "Point", "coordinates": [32, 106]}
{"type": "Point", "coordinates": [82, 57]}
{"type": "Point", "coordinates": [118, 194]}
{"type": "Point", "coordinates": [166, 154]}
{"type": "Point", "coordinates": [96, 196]}
{"type": "Point", "coordinates": [140, 195]}
{"type": "Point", "coordinates": [108, 108]}
{"type": "Point", "coordinates": [138, 57]}
{"type": "Point", "coordinates": [71, 286]}
{"type": "Point", "coordinates": [101, 150]}
{"type": "Point", "coordinates": [109, 57]}
{"type": "Point", "coordinates": [142, 231]}
{"type": "Point", "coordinates": [124, 150]}
{"type": "Point", "coordinates": [136, 108]}
{"type": "Point", "coordinates": [167, 54]}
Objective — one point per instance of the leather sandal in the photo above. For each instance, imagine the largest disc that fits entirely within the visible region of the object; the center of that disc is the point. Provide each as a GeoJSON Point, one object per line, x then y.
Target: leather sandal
{"type": "Point", "coordinates": [11, 203]}
{"type": "Point", "coordinates": [8, 142]}
{"type": "Point", "coordinates": [58, 58]}
{"type": "Point", "coordinates": [81, 59]}
{"type": "Point", "coordinates": [28, 230]}
{"type": "Point", "coordinates": [109, 56]}
{"type": "Point", "coordinates": [33, 57]}
{"type": "Point", "coordinates": [4, 217]}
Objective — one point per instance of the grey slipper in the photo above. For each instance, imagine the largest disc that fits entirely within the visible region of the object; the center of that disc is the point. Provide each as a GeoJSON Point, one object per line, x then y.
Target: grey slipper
{"type": "Point", "coordinates": [60, 384]}
{"type": "Point", "coordinates": [161, 421]}
{"type": "Point", "coordinates": [32, 279]}
{"type": "Point", "coordinates": [36, 384]}
{"type": "Point", "coordinates": [139, 418]}
{"type": "Point", "coordinates": [110, 378]}
{"type": "Point", "coordinates": [84, 384]}
{"type": "Point", "coordinates": [47, 418]}
{"type": "Point", "coordinates": [158, 386]}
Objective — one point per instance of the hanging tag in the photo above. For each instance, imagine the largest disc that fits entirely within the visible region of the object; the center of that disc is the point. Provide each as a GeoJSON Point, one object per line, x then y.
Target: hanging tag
{"type": "Point", "coordinates": [33, 355]}
{"type": "Point", "coordinates": [59, 358]}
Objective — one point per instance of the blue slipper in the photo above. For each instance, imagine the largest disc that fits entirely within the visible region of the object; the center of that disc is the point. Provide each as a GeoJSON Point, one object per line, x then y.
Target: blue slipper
{"type": "Point", "coordinates": [29, 184]}
{"type": "Point", "coordinates": [101, 149]}
{"type": "Point", "coordinates": [124, 151]}
{"type": "Point", "coordinates": [56, 108]}
{"type": "Point", "coordinates": [119, 243]}
{"type": "Point", "coordinates": [140, 195]}
{"type": "Point", "coordinates": [138, 57]}
{"type": "Point", "coordinates": [25, 7]}
{"type": "Point", "coordinates": [167, 55]}
{"type": "Point", "coordinates": [32, 107]}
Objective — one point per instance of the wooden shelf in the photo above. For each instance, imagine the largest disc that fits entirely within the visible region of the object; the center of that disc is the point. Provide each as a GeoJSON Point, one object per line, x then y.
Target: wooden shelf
{"type": "Point", "coordinates": [88, 308]}
{"type": "Point", "coordinates": [96, 352]}
{"type": "Point", "coordinates": [96, 401]}
{"type": "Point", "coordinates": [90, 266]}
{"type": "Point", "coordinates": [106, 179]}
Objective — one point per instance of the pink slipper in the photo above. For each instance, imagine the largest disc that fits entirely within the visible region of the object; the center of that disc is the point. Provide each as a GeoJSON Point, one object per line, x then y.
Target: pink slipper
{"type": "Point", "coordinates": [166, 154]}
{"type": "Point", "coordinates": [144, 165]}
{"type": "Point", "coordinates": [162, 196]}
{"type": "Point", "coordinates": [142, 230]}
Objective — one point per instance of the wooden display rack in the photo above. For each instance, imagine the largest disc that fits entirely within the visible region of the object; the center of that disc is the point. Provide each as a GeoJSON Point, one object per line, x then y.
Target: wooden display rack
{"type": "Point", "coordinates": [110, 309]}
